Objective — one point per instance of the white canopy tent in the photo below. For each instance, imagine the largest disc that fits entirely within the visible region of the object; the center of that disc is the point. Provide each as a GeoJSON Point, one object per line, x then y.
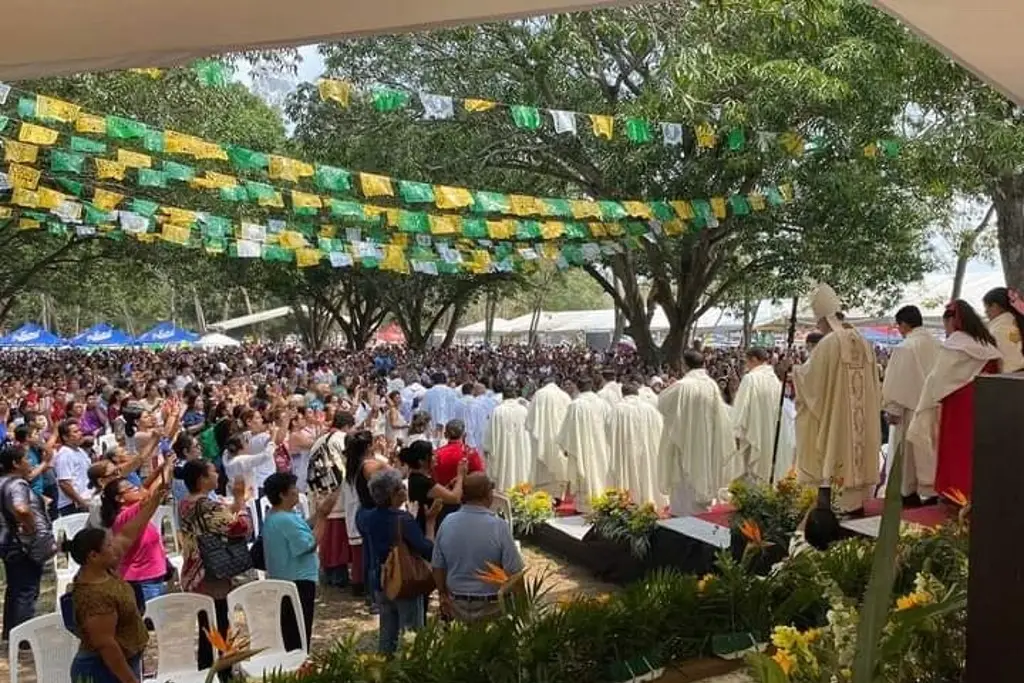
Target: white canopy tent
{"type": "Point", "coordinates": [102, 35]}
{"type": "Point", "coordinates": [216, 340]}
{"type": "Point", "coordinates": [979, 34]}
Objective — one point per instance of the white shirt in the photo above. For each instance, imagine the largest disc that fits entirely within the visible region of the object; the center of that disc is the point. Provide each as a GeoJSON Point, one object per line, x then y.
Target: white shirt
{"type": "Point", "coordinates": [256, 463]}
{"type": "Point", "coordinates": [72, 464]}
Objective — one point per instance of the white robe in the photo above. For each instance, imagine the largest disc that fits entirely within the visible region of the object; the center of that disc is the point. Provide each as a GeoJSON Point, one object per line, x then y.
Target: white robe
{"type": "Point", "coordinates": [755, 414]}
{"type": "Point", "coordinates": [1004, 328]}
{"type": "Point", "coordinates": [909, 365]}
{"type": "Point", "coordinates": [960, 360]}
{"type": "Point", "coordinates": [507, 444]}
{"type": "Point", "coordinates": [440, 402]}
{"type": "Point", "coordinates": [584, 439]}
{"type": "Point", "coordinates": [475, 412]}
{"type": "Point", "coordinates": [611, 392]}
{"type": "Point", "coordinates": [634, 434]}
{"type": "Point", "coordinates": [647, 394]}
{"type": "Point", "coordinates": [696, 440]}
{"type": "Point", "coordinates": [543, 421]}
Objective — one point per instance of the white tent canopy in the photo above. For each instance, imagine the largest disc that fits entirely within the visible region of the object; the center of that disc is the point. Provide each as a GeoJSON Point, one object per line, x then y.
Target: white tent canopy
{"type": "Point", "coordinates": [101, 35]}
{"type": "Point", "coordinates": [216, 340]}
{"type": "Point", "coordinates": [980, 34]}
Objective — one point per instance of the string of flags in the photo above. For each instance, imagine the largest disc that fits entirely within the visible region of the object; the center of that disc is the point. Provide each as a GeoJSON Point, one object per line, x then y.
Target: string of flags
{"type": "Point", "coordinates": [700, 136]}
{"type": "Point", "coordinates": [331, 180]}
{"type": "Point", "coordinates": [305, 245]}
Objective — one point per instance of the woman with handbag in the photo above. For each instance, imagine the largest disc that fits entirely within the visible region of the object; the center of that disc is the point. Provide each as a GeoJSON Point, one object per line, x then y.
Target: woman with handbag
{"type": "Point", "coordinates": [391, 531]}
{"type": "Point", "coordinates": [26, 537]}
{"type": "Point", "coordinates": [214, 537]}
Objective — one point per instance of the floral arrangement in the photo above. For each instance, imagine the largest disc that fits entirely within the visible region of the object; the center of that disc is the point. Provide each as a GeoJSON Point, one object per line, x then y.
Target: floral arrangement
{"type": "Point", "coordinates": [777, 510]}
{"type": "Point", "coordinates": [617, 517]}
{"type": "Point", "coordinates": [232, 650]}
{"type": "Point", "coordinates": [529, 508]}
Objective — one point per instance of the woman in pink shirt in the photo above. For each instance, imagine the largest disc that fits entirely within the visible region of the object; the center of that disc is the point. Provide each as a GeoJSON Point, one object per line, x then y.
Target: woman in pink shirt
{"type": "Point", "coordinates": [144, 564]}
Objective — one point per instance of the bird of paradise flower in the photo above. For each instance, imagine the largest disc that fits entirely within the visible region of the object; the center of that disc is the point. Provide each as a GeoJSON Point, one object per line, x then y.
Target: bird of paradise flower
{"type": "Point", "coordinates": [230, 650]}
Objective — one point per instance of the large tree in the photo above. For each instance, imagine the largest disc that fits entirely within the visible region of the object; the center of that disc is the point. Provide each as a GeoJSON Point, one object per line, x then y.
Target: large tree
{"type": "Point", "coordinates": [822, 69]}
{"type": "Point", "coordinates": [95, 278]}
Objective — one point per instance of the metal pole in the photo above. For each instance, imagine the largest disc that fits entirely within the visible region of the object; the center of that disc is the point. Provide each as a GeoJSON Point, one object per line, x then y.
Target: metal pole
{"type": "Point", "coordinates": [791, 335]}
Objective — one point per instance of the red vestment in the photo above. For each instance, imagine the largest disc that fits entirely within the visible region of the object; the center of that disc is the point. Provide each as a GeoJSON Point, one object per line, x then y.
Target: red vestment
{"type": "Point", "coordinates": [956, 439]}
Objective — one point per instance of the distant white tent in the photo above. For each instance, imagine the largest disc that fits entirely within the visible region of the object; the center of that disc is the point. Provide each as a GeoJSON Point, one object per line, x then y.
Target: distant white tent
{"type": "Point", "coordinates": [216, 340]}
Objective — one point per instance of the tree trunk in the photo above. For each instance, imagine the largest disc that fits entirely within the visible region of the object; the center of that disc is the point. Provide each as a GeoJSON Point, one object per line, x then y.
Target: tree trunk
{"type": "Point", "coordinates": [490, 310]}
{"type": "Point", "coordinates": [965, 251]}
{"type": "Point", "coordinates": [1009, 202]}
{"type": "Point", "coordinates": [749, 316]}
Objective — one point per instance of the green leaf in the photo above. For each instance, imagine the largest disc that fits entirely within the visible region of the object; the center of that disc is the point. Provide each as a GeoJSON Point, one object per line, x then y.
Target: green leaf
{"type": "Point", "coordinates": [874, 611]}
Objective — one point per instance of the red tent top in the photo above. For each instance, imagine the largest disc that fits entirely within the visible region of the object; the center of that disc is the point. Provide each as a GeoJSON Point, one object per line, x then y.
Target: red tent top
{"type": "Point", "coordinates": [391, 334]}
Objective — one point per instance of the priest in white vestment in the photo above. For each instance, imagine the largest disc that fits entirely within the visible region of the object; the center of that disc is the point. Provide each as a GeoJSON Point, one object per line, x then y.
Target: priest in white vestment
{"type": "Point", "coordinates": [839, 433]}
{"type": "Point", "coordinates": [909, 365]}
{"type": "Point", "coordinates": [507, 444]}
{"type": "Point", "coordinates": [611, 392]}
{"type": "Point", "coordinates": [543, 422]}
{"type": "Point", "coordinates": [696, 439]}
{"type": "Point", "coordinates": [1005, 312]}
{"type": "Point", "coordinates": [648, 394]}
{"type": "Point", "coordinates": [634, 435]}
{"type": "Point", "coordinates": [584, 439]}
{"type": "Point", "coordinates": [439, 401]}
{"type": "Point", "coordinates": [755, 415]}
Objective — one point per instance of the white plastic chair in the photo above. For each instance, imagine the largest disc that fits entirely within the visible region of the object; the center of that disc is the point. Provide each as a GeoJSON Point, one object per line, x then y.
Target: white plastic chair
{"type": "Point", "coordinates": [175, 620]}
{"type": "Point", "coordinates": [502, 506]}
{"type": "Point", "coordinates": [163, 514]}
{"type": "Point", "coordinates": [303, 506]}
{"type": "Point", "coordinates": [67, 527]}
{"type": "Point", "coordinates": [53, 648]}
{"type": "Point", "coordinates": [260, 602]}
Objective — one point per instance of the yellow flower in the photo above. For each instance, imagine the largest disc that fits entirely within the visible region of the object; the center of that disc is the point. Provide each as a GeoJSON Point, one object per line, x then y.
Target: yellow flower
{"type": "Point", "coordinates": [813, 634]}
{"type": "Point", "coordinates": [602, 598]}
{"type": "Point", "coordinates": [786, 638]}
{"type": "Point", "coordinates": [915, 599]}
{"type": "Point", "coordinates": [784, 660]}
{"type": "Point", "coordinates": [704, 581]}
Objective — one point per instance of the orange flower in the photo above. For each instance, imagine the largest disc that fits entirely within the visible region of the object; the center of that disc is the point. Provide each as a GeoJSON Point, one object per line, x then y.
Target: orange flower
{"type": "Point", "coordinates": [957, 497]}
{"type": "Point", "coordinates": [493, 575]}
{"type": "Point", "coordinates": [752, 532]}
{"type": "Point", "coordinates": [217, 640]}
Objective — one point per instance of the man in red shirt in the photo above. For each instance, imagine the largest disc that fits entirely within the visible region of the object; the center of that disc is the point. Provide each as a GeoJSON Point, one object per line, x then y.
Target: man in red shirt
{"type": "Point", "coordinates": [448, 456]}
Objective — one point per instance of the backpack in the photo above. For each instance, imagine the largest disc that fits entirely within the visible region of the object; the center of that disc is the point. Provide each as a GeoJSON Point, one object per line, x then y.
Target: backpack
{"type": "Point", "coordinates": [324, 475]}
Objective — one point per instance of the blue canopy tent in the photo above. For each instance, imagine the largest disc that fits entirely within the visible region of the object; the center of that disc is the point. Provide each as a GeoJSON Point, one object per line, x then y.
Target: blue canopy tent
{"type": "Point", "coordinates": [31, 336]}
{"type": "Point", "coordinates": [101, 335]}
{"type": "Point", "coordinates": [166, 334]}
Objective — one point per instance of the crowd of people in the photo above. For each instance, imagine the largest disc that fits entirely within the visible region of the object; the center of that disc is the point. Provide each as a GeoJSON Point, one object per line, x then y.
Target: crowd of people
{"type": "Point", "coordinates": [356, 453]}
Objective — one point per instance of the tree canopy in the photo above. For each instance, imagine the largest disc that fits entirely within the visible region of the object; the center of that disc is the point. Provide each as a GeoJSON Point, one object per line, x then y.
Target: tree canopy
{"type": "Point", "coordinates": [823, 70]}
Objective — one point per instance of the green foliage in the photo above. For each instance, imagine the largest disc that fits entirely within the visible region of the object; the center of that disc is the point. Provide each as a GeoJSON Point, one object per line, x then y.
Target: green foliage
{"type": "Point", "coordinates": [529, 508]}
{"type": "Point", "coordinates": [875, 608]}
{"type": "Point", "coordinates": [618, 518]}
{"type": "Point", "coordinates": [777, 510]}
{"type": "Point", "coordinates": [824, 69]}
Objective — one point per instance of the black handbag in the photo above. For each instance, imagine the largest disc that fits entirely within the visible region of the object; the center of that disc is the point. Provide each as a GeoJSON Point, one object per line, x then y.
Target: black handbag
{"type": "Point", "coordinates": [222, 558]}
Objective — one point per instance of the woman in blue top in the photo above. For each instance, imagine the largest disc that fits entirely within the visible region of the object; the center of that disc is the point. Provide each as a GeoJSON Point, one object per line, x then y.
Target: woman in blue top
{"type": "Point", "coordinates": [388, 492]}
{"type": "Point", "coordinates": [289, 550]}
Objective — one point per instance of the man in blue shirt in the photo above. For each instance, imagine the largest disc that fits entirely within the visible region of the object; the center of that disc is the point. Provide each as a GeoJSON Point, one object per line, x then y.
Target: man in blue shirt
{"type": "Point", "coordinates": [27, 436]}
{"type": "Point", "coordinates": [467, 541]}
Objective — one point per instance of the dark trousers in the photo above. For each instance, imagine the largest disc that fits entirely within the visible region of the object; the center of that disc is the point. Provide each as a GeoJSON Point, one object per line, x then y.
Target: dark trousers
{"type": "Point", "coordinates": [23, 576]}
{"type": "Point", "coordinates": [205, 656]}
{"type": "Point", "coordinates": [289, 621]}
